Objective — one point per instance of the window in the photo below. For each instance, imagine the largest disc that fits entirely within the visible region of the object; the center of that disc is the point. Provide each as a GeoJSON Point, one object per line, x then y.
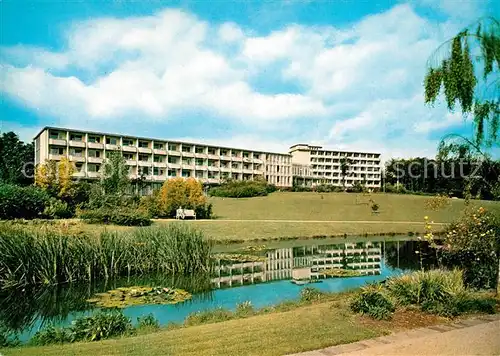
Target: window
{"type": "Point", "coordinates": [111, 140]}
{"type": "Point", "coordinates": [200, 150]}
{"type": "Point", "coordinates": [223, 152]}
{"type": "Point", "coordinates": [76, 137]}
{"type": "Point", "coordinates": [78, 152]}
{"type": "Point", "coordinates": [246, 155]}
{"type": "Point", "coordinates": [186, 148]}
{"type": "Point", "coordinates": [158, 159]}
{"type": "Point", "coordinates": [158, 171]}
{"type": "Point", "coordinates": [93, 167]}
{"type": "Point", "coordinates": [95, 154]}
{"type": "Point", "coordinates": [143, 144]}
{"type": "Point", "coordinates": [144, 171]}
{"type": "Point", "coordinates": [57, 151]}
{"type": "Point", "coordinates": [173, 159]}
{"type": "Point", "coordinates": [186, 174]}
{"type": "Point", "coordinates": [128, 156]}
{"type": "Point", "coordinates": [143, 158]}
{"type": "Point", "coordinates": [79, 167]}
{"type": "Point", "coordinates": [172, 147]}
{"type": "Point", "coordinates": [172, 173]}
{"type": "Point", "coordinates": [199, 162]}
{"type": "Point", "coordinates": [186, 161]}
{"type": "Point", "coordinates": [158, 146]}
{"type": "Point", "coordinates": [128, 142]}
{"type": "Point", "coordinates": [94, 139]}
{"type": "Point", "coordinates": [211, 151]}
{"type": "Point", "coordinates": [256, 155]}
{"type": "Point", "coordinates": [55, 135]}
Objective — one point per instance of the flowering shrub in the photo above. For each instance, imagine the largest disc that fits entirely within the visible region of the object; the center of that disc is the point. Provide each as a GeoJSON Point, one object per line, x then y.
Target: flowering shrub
{"type": "Point", "coordinates": [473, 242]}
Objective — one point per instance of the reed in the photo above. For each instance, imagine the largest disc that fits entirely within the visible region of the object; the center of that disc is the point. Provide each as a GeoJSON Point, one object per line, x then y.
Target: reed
{"type": "Point", "coordinates": [46, 256]}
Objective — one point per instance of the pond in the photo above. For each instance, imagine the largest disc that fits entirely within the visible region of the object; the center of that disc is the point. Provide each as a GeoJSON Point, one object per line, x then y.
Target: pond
{"type": "Point", "coordinates": [261, 274]}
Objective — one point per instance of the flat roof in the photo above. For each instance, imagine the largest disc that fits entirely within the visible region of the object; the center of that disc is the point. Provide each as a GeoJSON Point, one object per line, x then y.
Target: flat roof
{"type": "Point", "coordinates": [151, 139]}
{"type": "Point", "coordinates": [320, 148]}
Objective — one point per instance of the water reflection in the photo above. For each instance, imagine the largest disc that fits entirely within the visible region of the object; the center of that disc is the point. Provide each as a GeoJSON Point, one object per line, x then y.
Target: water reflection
{"type": "Point", "coordinates": [27, 310]}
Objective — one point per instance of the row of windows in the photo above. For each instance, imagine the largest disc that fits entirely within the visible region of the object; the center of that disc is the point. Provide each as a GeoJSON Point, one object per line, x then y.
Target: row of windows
{"type": "Point", "coordinates": [345, 154]}
{"type": "Point", "coordinates": [163, 145]}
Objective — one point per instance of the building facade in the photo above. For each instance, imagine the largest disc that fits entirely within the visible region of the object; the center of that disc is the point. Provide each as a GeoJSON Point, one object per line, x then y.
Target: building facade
{"type": "Point", "coordinates": [313, 165]}
{"type": "Point", "coordinates": [157, 160]}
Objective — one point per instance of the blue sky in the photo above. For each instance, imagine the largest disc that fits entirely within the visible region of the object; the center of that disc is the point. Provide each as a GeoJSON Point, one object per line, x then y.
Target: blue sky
{"type": "Point", "coordinates": [255, 74]}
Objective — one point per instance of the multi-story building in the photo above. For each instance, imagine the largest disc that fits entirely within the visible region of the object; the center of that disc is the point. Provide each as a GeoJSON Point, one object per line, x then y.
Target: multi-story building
{"type": "Point", "coordinates": [157, 160]}
{"type": "Point", "coordinates": [313, 165]}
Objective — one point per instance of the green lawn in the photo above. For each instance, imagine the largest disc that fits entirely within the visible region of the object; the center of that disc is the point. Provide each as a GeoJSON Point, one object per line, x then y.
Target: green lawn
{"type": "Point", "coordinates": [301, 329]}
{"type": "Point", "coordinates": [315, 214]}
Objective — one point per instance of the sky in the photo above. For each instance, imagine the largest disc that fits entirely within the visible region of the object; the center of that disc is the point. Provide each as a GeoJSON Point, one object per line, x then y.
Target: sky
{"type": "Point", "coordinates": [343, 74]}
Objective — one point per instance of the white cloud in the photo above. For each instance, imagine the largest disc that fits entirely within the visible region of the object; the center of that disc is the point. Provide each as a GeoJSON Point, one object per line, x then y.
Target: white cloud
{"type": "Point", "coordinates": [230, 32]}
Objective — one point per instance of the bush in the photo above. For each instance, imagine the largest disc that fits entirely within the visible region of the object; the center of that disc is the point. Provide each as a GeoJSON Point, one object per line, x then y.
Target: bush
{"type": "Point", "coordinates": [22, 202]}
{"type": "Point", "coordinates": [51, 335]}
{"type": "Point", "coordinates": [148, 322]}
{"type": "Point", "coordinates": [101, 325]}
{"type": "Point", "coordinates": [244, 309]}
{"type": "Point", "coordinates": [242, 189]}
{"type": "Point", "coordinates": [208, 316]}
{"type": "Point", "coordinates": [57, 209]}
{"type": "Point", "coordinates": [309, 294]}
{"type": "Point", "coordinates": [373, 300]}
{"type": "Point", "coordinates": [6, 340]}
{"type": "Point", "coordinates": [124, 217]}
{"type": "Point", "coordinates": [203, 211]}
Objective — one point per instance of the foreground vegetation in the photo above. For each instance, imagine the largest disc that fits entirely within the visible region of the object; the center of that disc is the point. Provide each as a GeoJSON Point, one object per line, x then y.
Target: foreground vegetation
{"type": "Point", "coordinates": [50, 257]}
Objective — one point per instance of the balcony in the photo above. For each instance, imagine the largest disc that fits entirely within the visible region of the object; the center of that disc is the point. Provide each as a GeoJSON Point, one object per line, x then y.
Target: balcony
{"type": "Point", "coordinates": [213, 180]}
{"type": "Point", "coordinates": [225, 169]}
{"type": "Point", "coordinates": [213, 168]}
{"type": "Point", "coordinates": [80, 174]}
{"type": "Point", "coordinates": [160, 164]}
{"type": "Point", "coordinates": [161, 178]}
{"type": "Point", "coordinates": [145, 150]}
{"type": "Point", "coordinates": [187, 154]}
{"type": "Point", "coordinates": [96, 145]}
{"type": "Point", "coordinates": [53, 157]}
{"type": "Point", "coordinates": [129, 148]}
{"type": "Point", "coordinates": [236, 159]}
{"type": "Point", "coordinates": [94, 159]}
{"type": "Point", "coordinates": [144, 163]}
{"type": "Point", "coordinates": [247, 171]}
{"type": "Point", "coordinates": [188, 166]}
{"type": "Point", "coordinates": [94, 174]}
{"type": "Point", "coordinates": [201, 168]}
{"type": "Point", "coordinates": [157, 151]}
{"type": "Point", "coordinates": [73, 158]}
{"type": "Point", "coordinates": [173, 165]}
{"type": "Point", "coordinates": [200, 155]}
{"type": "Point", "coordinates": [174, 153]}
{"type": "Point", "coordinates": [57, 141]}
{"type": "Point", "coordinates": [258, 172]}
{"type": "Point", "coordinates": [76, 143]}
{"type": "Point", "coordinates": [247, 160]}
{"type": "Point", "coordinates": [131, 162]}
{"type": "Point", "coordinates": [258, 160]}
{"type": "Point", "coordinates": [225, 158]}
{"type": "Point", "coordinates": [111, 146]}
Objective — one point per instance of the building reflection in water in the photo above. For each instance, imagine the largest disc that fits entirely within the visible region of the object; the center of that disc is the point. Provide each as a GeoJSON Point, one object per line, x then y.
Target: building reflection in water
{"type": "Point", "coordinates": [301, 263]}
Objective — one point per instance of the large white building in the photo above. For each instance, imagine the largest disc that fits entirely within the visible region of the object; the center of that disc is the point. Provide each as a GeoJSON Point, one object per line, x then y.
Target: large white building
{"type": "Point", "coordinates": [313, 165]}
{"type": "Point", "coordinates": [156, 160]}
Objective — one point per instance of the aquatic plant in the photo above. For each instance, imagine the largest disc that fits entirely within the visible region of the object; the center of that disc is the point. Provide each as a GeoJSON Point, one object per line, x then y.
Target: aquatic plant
{"type": "Point", "coordinates": [127, 296]}
{"type": "Point", "coordinates": [147, 322]}
{"type": "Point", "coordinates": [51, 257]}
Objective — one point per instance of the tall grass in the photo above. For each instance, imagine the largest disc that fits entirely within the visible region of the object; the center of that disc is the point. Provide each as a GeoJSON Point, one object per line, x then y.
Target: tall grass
{"type": "Point", "coordinates": [51, 257]}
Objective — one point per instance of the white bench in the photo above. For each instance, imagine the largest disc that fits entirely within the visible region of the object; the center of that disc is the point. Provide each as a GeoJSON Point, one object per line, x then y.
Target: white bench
{"type": "Point", "coordinates": [185, 213]}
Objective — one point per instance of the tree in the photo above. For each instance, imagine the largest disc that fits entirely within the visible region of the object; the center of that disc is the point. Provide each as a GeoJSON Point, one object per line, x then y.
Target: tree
{"type": "Point", "coordinates": [180, 193]}
{"type": "Point", "coordinates": [344, 167]}
{"type": "Point", "coordinates": [115, 180]}
{"type": "Point", "coordinates": [56, 177]}
{"type": "Point", "coordinates": [455, 68]}
{"type": "Point", "coordinates": [16, 160]}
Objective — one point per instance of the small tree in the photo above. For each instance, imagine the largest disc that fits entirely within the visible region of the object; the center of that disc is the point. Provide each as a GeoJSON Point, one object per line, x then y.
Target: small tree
{"type": "Point", "coordinates": [56, 177]}
{"type": "Point", "coordinates": [115, 180]}
{"type": "Point", "coordinates": [344, 168]}
{"type": "Point", "coordinates": [179, 193]}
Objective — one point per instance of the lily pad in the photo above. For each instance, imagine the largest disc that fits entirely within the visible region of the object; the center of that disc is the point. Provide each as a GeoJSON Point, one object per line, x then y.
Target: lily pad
{"type": "Point", "coordinates": [137, 295]}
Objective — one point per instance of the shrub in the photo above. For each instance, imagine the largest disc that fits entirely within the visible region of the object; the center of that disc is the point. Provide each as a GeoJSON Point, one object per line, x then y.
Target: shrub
{"type": "Point", "coordinates": [242, 189]}
{"type": "Point", "coordinates": [51, 335]}
{"type": "Point", "coordinates": [244, 309]}
{"type": "Point", "coordinates": [148, 322]}
{"type": "Point", "coordinates": [101, 325]}
{"type": "Point", "coordinates": [208, 316]}
{"type": "Point", "coordinates": [22, 202]}
{"type": "Point", "coordinates": [7, 340]}
{"type": "Point", "coordinates": [373, 300]}
{"type": "Point", "coordinates": [309, 294]}
{"type": "Point", "coordinates": [57, 209]}
{"type": "Point", "coordinates": [125, 217]}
